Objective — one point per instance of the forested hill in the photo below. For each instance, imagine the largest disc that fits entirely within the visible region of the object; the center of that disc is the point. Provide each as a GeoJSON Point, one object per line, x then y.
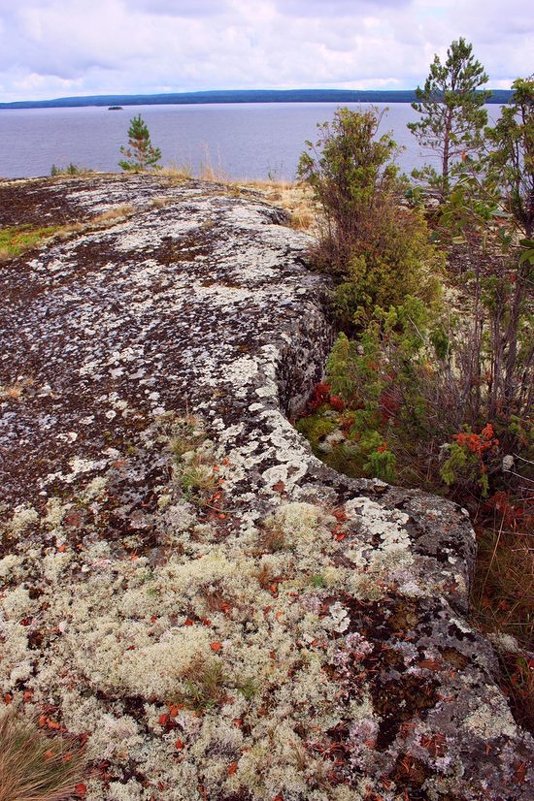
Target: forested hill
{"type": "Point", "coordinates": [239, 96]}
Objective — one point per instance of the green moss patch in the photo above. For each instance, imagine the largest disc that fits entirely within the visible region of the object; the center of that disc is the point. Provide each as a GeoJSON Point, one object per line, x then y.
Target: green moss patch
{"type": "Point", "coordinates": [15, 239]}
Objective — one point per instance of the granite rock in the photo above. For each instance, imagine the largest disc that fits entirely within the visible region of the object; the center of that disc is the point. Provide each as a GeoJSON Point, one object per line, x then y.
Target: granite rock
{"type": "Point", "coordinates": [180, 578]}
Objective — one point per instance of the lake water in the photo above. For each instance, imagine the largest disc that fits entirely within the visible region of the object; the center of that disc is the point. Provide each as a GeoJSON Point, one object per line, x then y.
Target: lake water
{"type": "Point", "coordinates": [250, 140]}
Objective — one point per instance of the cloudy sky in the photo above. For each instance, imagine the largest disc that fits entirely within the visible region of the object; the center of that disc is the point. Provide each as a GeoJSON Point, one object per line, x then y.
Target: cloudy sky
{"type": "Point", "coordinates": [54, 48]}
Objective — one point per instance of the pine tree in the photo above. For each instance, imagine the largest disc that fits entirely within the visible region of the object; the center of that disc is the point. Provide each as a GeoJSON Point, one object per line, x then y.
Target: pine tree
{"type": "Point", "coordinates": [512, 157]}
{"type": "Point", "coordinates": [140, 153]}
{"type": "Point", "coordinates": [452, 111]}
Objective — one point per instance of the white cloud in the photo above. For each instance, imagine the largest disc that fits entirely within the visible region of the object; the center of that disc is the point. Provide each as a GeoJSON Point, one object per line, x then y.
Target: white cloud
{"type": "Point", "coordinates": [132, 46]}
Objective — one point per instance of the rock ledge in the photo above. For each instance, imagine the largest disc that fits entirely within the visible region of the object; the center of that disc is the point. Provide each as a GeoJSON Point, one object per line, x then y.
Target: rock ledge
{"type": "Point", "coordinates": [180, 578]}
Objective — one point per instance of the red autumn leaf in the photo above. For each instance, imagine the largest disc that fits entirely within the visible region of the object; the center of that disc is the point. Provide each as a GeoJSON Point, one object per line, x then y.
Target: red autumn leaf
{"type": "Point", "coordinates": [80, 789]}
{"type": "Point", "coordinates": [232, 768]}
{"type": "Point", "coordinates": [179, 744]}
{"type": "Point", "coordinates": [216, 646]}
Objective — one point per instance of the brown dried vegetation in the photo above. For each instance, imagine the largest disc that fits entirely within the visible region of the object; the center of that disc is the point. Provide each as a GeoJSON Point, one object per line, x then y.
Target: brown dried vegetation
{"type": "Point", "coordinates": [34, 767]}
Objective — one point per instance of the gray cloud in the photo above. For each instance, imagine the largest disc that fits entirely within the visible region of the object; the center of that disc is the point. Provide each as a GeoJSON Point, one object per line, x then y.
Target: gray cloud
{"type": "Point", "coordinates": [336, 8]}
{"type": "Point", "coordinates": [50, 48]}
{"type": "Point", "coordinates": [180, 8]}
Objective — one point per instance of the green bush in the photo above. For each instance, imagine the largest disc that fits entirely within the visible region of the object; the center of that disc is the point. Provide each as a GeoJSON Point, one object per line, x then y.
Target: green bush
{"type": "Point", "coordinates": [379, 251]}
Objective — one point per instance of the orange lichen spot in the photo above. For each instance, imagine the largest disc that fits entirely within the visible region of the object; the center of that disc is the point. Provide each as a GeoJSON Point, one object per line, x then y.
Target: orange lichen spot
{"type": "Point", "coordinates": [216, 646]}
{"type": "Point", "coordinates": [232, 768]}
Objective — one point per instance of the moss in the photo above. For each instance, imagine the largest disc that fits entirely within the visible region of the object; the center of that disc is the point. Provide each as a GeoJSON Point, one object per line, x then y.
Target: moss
{"type": "Point", "coordinates": [317, 426]}
{"type": "Point", "coordinates": [15, 239]}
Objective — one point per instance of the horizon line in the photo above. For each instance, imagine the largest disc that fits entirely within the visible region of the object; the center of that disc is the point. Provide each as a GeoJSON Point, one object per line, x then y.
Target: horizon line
{"type": "Point", "coordinates": [122, 98]}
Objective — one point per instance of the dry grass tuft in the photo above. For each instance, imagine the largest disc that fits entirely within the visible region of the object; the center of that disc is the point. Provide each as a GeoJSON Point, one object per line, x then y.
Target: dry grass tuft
{"type": "Point", "coordinates": [215, 175]}
{"type": "Point", "coordinates": [302, 218]}
{"type": "Point", "coordinates": [204, 685]}
{"type": "Point", "coordinates": [12, 392]}
{"type": "Point", "coordinates": [503, 593]}
{"type": "Point", "coordinates": [34, 767]}
{"type": "Point", "coordinates": [197, 477]}
{"type": "Point", "coordinates": [297, 199]}
{"type": "Point", "coordinates": [176, 174]}
{"type": "Point", "coordinates": [161, 202]}
{"type": "Point", "coordinates": [112, 215]}
{"type": "Point", "coordinates": [15, 391]}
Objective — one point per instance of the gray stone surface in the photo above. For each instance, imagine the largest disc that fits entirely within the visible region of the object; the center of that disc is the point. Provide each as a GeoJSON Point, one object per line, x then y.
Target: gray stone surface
{"type": "Point", "coordinates": [331, 612]}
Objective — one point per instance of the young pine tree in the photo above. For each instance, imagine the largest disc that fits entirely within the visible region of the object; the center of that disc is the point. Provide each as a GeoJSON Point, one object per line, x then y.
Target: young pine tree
{"type": "Point", "coordinates": [453, 117]}
{"type": "Point", "coordinates": [140, 153]}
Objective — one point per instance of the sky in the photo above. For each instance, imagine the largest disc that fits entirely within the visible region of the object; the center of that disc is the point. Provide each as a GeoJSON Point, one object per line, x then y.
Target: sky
{"type": "Point", "coordinates": [58, 48]}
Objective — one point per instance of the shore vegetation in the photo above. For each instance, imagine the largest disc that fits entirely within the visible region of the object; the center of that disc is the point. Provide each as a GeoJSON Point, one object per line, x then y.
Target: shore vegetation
{"type": "Point", "coordinates": [430, 382]}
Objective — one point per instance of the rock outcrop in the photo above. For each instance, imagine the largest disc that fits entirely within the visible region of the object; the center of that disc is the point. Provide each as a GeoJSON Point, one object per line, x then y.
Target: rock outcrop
{"type": "Point", "coordinates": [181, 581]}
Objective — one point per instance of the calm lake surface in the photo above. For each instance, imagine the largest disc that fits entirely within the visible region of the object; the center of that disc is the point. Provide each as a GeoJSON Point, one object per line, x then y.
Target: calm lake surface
{"type": "Point", "coordinates": [249, 140]}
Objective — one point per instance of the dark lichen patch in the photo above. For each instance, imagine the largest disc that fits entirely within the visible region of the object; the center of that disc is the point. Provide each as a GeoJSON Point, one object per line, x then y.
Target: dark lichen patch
{"type": "Point", "coordinates": [412, 773]}
{"type": "Point", "coordinates": [401, 700]}
{"type": "Point", "coordinates": [188, 248]}
{"type": "Point", "coordinates": [35, 202]}
{"type": "Point", "coordinates": [454, 658]}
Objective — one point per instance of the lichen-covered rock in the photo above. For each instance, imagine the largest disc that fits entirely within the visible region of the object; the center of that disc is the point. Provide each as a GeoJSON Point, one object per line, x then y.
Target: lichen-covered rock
{"type": "Point", "coordinates": [182, 583]}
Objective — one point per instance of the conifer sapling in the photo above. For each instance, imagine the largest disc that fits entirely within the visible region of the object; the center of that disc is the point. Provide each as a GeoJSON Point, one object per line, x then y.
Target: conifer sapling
{"type": "Point", "coordinates": [140, 153]}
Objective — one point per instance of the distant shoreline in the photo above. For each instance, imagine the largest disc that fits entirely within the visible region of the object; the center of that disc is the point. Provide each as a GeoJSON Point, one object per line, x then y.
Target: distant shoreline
{"type": "Point", "coordinates": [499, 96]}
